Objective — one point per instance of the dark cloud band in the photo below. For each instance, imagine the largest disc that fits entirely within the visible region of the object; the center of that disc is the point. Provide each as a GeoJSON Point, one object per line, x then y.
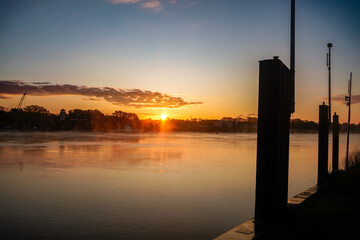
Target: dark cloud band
{"type": "Point", "coordinates": [341, 98]}
{"type": "Point", "coordinates": [124, 97]}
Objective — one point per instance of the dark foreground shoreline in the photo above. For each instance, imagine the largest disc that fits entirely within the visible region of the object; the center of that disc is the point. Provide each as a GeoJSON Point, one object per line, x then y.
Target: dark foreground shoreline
{"type": "Point", "coordinates": [332, 213]}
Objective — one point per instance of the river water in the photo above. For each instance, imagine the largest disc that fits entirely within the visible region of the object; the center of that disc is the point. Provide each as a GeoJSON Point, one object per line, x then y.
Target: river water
{"type": "Point", "coordinates": [73, 185]}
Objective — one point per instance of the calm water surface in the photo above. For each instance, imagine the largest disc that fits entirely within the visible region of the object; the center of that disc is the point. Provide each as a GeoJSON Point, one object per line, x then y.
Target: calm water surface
{"type": "Point", "coordinates": [140, 186]}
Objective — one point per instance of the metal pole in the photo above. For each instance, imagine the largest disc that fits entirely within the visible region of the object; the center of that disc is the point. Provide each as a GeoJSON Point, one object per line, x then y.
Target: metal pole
{"type": "Point", "coordinates": [292, 57]}
{"type": "Point", "coordinates": [329, 68]}
{"type": "Point", "coordinates": [348, 124]}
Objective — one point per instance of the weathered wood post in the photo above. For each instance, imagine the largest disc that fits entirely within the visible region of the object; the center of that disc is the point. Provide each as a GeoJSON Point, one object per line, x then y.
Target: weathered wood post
{"type": "Point", "coordinates": [335, 152]}
{"type": "Point", "coordinates": [323, 143]}
{"type": "Point", "coordinates": [275, 103]}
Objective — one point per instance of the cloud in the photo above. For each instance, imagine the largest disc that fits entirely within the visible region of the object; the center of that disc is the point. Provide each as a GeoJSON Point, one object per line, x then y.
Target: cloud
{"type": "Point", "coordinates": [147, 4]}
{"type": "Point", "coordinates": [91, 99]}
{"type": "Point", "coordinates": [39, 83]}
{"type": "Point", "coordinates": [156, 5]}
{"type": "Point", "coordinates": [124, 1]}
{"type": "Point", "coordinates": [124, 97]}
{"type": "Point", "coordinates": [4, 97]}
{"type": "Point", "coordinates": [341, 98]}
{"type": "Point", "coordinates": [153, 4]}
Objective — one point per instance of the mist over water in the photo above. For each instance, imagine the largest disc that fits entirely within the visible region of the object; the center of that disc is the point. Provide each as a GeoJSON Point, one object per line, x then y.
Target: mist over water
{"type": "Point", "coordinates": [136, 186]}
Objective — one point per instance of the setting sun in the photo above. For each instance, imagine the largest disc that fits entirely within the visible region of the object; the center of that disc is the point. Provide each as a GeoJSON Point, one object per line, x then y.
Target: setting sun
{"type": "Point", "coordinates": [163, 116]}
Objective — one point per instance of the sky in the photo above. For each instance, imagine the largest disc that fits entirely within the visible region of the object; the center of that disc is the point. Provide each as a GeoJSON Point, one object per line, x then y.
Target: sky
{"type": "Point", "coordinates": [184, 58]}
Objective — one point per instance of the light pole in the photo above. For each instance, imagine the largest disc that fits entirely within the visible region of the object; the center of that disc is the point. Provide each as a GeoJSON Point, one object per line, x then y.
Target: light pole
{"type": "Point", "coordinates": [329, 68]}
{"type": "Point", "coordinates": [292, 57]}
{"type": "Point", "coordinates": [348, 100]}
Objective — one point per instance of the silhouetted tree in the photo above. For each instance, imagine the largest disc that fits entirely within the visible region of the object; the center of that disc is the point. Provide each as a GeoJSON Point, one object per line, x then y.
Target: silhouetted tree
{"type": "Point", "coordinates": [36, 109]}
{"type": "Point", "coordinates": [127, 119]}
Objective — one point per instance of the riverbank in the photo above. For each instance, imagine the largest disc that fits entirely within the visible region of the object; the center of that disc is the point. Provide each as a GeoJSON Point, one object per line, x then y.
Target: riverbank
{"type": "Point", "coordinates": [329, 211]}
{"type": "Point", "coordinates": [332, 213]}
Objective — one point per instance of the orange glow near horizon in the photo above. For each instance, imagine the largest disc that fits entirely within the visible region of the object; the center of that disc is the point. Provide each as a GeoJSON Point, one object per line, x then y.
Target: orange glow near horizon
{"type": "Point", "coordinates": [211, 109]}
{"type": "Point", "coordinates": [163, 116]}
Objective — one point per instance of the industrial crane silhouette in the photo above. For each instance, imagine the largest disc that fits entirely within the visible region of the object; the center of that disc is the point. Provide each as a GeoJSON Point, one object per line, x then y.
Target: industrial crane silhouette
{"type": "Point", "coordinates": [21, 101]}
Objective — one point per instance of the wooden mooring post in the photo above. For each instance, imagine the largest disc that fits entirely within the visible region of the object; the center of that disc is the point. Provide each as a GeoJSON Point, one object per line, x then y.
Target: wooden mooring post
{"type": "Point", "coordinates": [335, 148]}
{"type": "Point", "coordinates": [275, 104]}
{"type": "Point", "coordinates": [323, 143]}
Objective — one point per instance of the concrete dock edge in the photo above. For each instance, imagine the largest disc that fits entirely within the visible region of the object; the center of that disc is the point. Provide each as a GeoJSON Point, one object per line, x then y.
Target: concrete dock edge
{"type": "Point", "coordinates": [245, 231]}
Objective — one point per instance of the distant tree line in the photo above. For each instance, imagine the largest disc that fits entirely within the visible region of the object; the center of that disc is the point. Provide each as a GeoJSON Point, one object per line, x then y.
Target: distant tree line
{"type": "Point", "coordinates": [299, 125]}
{"type": "Point", "coordinates": [38, 118]}
{"type": "Point", "coordinates": [35, 117]}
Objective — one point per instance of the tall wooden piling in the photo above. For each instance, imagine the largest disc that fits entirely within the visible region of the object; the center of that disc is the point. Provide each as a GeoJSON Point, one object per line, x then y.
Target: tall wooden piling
{"type": "Point", "coordinates": [323, 143]}
{"type": "Point", "coordinates": [275, 105]}
{"type": "Point", "coordinates": [335, 148]}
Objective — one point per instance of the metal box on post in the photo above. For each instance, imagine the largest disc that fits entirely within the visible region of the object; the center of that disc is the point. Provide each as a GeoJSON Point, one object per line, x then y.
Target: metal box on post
{"type": "Point", "coordinates": [275, 99]}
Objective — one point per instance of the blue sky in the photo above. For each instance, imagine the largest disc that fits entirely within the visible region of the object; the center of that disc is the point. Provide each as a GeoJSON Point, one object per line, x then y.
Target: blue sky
{"type": "Point", "coordinates": [199, 50]}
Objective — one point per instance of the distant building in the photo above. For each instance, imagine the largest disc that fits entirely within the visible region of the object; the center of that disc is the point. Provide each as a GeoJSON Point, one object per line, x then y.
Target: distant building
{"type": "Point", "coordinates": [226, 122]}
{"type": "Point", "coordinates": [227, 119]}
{"type": "Point", "coordinates": [62, 114]}
{"type": "Point", "coordinates": [219, 123]}
{"type": "Point", "coordinates": [241, 118]}
{"type": "Point", "coordinates": [252, 119]}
